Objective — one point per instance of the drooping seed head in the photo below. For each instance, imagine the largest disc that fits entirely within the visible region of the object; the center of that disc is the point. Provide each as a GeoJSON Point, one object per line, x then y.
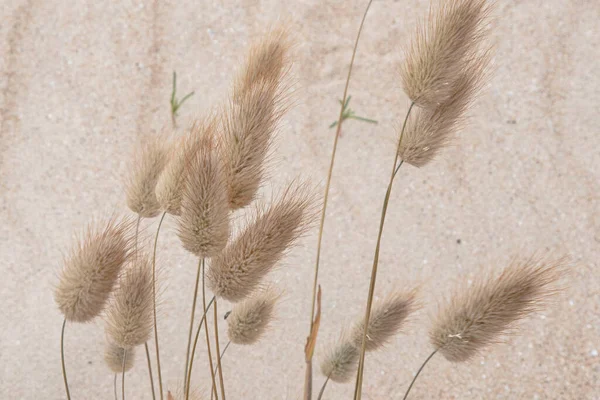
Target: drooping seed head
{"type": "Point", "coordinates": [203, 226]}
{"type": "Point", "coordinates": [251, 118]}
{"type": "Point", "coordinates": [428, 131]}
{"type": "Point", "coordinates": [239, 269]}
{"type": "Point", "coordinates": [387, 317]}
{"type": "Point", "coordinates": [91, 270]}
{"type": "Point", "coordinates": [113, 356]}
{"type": "Point", "coordinates": [341, 361]}
{"type": "Point", "coordinates": [148, 163]}
{"type": "Point", "coordinates": [441, 49]}
{"type": "Point", "coordinates": [477, 316]}
{"type": "Point", "coordinates": [250, 318]}
{"type": "Point", "coordinates": [129, 319]}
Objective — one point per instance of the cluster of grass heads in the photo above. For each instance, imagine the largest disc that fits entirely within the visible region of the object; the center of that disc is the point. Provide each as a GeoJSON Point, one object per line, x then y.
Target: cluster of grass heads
{"type": "Point", "coordinates": [216, 168]}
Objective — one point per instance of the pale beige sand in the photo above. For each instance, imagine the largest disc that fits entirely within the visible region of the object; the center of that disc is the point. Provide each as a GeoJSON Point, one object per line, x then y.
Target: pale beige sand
{"type": "Point", "coordinates": [82, 80]}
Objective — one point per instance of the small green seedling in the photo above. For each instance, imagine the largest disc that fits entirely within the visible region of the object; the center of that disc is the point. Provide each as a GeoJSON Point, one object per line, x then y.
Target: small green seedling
{"type": "Point", "coordinates": [175, 104]}
{"type": "Point", "coordinates": [348, 113]}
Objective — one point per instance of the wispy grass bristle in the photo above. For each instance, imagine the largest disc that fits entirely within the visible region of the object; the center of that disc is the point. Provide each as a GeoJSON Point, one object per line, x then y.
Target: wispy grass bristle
{"type": "Point", "coordinates": [252, 116]}
{"type": "Point", "coordinates": [149, 161]}
{"type": "Point", "coordinates": [129, 318]}
{"type": "Point", "coordinates": [340, 361]}
{"type": "Point", "coordinates": [113, 356]}
{"type": "Point", "coordinates": [92, 268]}
{"type": "Point", "coordinates": [430, 130]}
{"type": "Point", "coordinates": [478, 316]}
{"type": "Point", "coordinates": [239, 269]}
{"type": "Point", "coordinates": [180, 395]}
{"type": "Point", "coordinates": [250, 318]}
{"type": "Point", "coordinates": [203, 226]}
{"type": "Point", "coordinates": [387, 318]}
{"type": "Point", "coordinates": [441, 48]}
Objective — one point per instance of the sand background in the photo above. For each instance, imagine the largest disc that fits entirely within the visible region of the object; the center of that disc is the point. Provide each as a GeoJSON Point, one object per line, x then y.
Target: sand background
{"type": "Point", "coordinates": [81, 82]}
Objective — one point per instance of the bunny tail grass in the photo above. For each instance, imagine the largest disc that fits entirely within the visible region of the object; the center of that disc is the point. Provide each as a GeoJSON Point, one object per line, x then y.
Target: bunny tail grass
{"type": "Point", "coordinates": [363, 348]}
{"type": "Point", "coordinates": [189, 374]}
{"type": "Point", "coordinates": [418, 372]}
{"type": "Point", "coordinates": [250, 319]}
{"type": "Point", "coordinates": [113, 357]}
{"type": "Point", "coordinates": [62, 358]}
{"type": "Point", "coordinates": [340, 361]}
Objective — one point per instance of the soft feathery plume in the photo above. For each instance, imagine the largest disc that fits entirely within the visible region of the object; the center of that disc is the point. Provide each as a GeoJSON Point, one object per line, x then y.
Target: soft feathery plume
{"type": "Point", "coordinates": [238, 270]}
{"type": "Point", "coordinates": [387, 317]}
{"type": "Point", "coordinates": [180, 395]}
{"type": "Point", "coordinates": [429, 131]}
{"type": "Point", "coordinates": [113, 356]}
{"type": "Point", "coordinates": [203, 226]}
{"type": "Point", "coordinates": [169, 188]}
{"type": "Point", "coordinates": [441, 48]}
{"type": "Point", "coordinates": [148, 163]}
{"type": "Point", "coordinates": [250, 318]}
{"type": "Point", "coordinates": [252, 115]}
{"type": "Point", "coordinates": [477, 316]}
{"type": "Point", "coordinates": [91, 270]}
{"type": "Point", "coordinates": [341, 360]}
{"type": "Point", "coordinates": [129, 319]}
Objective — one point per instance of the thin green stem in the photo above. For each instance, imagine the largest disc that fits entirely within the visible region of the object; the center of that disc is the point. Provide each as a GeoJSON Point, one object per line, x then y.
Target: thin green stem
{"type": "Point", "coordinates": [187, 355]}
{"type": "Point", "coordinates": [360, 372]}
{"type": "Point", "coordinates": [418, 372]}
{"type": "Point", "coordinates": [208, 346]}
{"type": "Point", "coordinates": [123, 374]}
{"type": "Point", "coordinates": [189, 376]}
{"type": "Point", "coordinates": [221, 382]}
{"type": "Point", "coordinates": [150, 370]}
{"type": "Point", "coordinates": [62, 358]}
{"type": "Point", "coordinates": [338, 131]}
{"type": "Point", "coordinates": [160, 385]}
{"type": "Point", "coordinates": [323, 388]}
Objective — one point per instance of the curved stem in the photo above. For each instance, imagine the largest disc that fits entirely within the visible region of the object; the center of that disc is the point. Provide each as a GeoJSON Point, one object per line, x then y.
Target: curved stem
{"type": "Point", "coordinates": [160, 386]}
{"type": "Point", "coordinates": [123, 375]}
{"type": "Point", "coordinates": [150, 370]}
{"type": "Point", "coordinates": [323, 388]}
{"type": "Point", "coordinates": [338, 131]}
{"type": "Point", "coordinates": [189, 376]}
{"type": "Point", "coordinates": [361, 364]}
{"type": "Point", "coordinates": [221, 358]}
{"type": "Point", "coordinates": [208, 346]}
{"type": "Point", "coordinates": [62, 358]}
{"type": "Point", "coordinates": [221, 382]}
{"type": "Point", "coordinates": [187, 355]}
{"type": "Point", "coordinates": [418, 372]}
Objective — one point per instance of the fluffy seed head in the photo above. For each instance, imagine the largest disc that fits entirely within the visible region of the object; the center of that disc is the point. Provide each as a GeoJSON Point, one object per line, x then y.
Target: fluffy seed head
{"type": "Point", "coordinates": [250, 318]}
{"type": "Point", "coordinates": [441, 47]}
{"type": "Point", "coordinates": [148, 163]}
{"type": "Point", "coordinates": [386, 319]}
{"type": "Point", "coordinates": [91, 270]}
{"type": "Point", "coordinates": [203, 226]}
{"type": "Point", "coordinates": [180, 395]}
{"type": "Point", "coordinates": [430, 130]}
{"type": "Point", "coordinates": [129, 318]}
{"type": "Point", "coordinates": [113, 356]}
{"type": "Point", "coordinates": [341, 361]}
{"type": "Point", "coordinates": [252, 116]}
{"type": "Point", "coordinates": [169, 188]}
{"type": "Point", "coordinates": [238, 270]}
{"type": "Point", "coordinates": [478, 315]}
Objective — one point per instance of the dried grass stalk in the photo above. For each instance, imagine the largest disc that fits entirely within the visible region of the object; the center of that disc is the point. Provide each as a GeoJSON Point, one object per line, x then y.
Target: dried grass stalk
{"type": "Point", "coordinates": [113, 356]}
{"type": "Point", "coordinates": [148, 163]}
{"type": "Point", "coordinates": [129, 319]}
{"type": "Point", "coordinates": [477, 316]}
{"type": "Point", "coordinates": [341, 360]}
{"type": "Point", "coordinates": [430, 130]}
{"type": "Point", "coordinates": [250, 319]}
{"type": "Point", "coordinates": [91, 270]}
{"type": "Point", "coordinates": [387, 317]}
{"type": "Point", "coordinates": [442, 46]}
{"type": "Point", "coordinates": [251, 118]}
{"type": "Point", "coordinates": [238, 270]}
